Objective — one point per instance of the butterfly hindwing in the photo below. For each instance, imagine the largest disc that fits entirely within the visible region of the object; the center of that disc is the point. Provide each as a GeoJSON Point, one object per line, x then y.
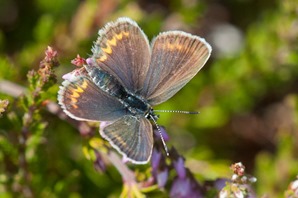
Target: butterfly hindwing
{"type": "Point", "coordinates": [81, 99]}
{"type": "Point", "coordinates": [132, 136]}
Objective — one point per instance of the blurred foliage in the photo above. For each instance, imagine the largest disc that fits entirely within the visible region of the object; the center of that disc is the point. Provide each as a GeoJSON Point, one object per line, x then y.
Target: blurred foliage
{"type": "Point", "coordinates": [246, 95]}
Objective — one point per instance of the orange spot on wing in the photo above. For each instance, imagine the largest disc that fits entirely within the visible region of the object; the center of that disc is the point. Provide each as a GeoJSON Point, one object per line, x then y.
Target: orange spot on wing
{"type": "Point", "coordinates": [112, 41]}
{"type": "Point", "coordinates": [119, 36]}
{"type": "Point", "coordinates": [174, 46]}
{"type": "Point", "coordinates": [73, 100]}
{"type": "Point", "coordinates": [84, 85]}
{"type": "Point", "coordinates": [75, 94]}
{"type": "Point", "coordinates": [126, 33]}
{"type": "Point", "coordinates": [79, 90]}
{"type": "Point", "coordinates": [108, 49]}
{"type": "Point", "coordinates": [120, 140]}
{"type": "Point", "coordinates": [102, 58]}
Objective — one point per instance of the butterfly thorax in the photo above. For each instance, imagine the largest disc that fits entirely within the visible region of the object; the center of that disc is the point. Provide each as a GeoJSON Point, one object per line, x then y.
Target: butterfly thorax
{"type": "Point", "coordinates": [136, 105]}
{"type": "Point", "coordinates": [110, 85]}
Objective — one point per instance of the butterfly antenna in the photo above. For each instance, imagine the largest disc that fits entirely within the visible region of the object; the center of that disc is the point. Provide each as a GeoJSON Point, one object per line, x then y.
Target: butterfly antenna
{"type": "Point", "coordinates": [176, 111]}
{"type": "Point", "coordinates": [163, 141]}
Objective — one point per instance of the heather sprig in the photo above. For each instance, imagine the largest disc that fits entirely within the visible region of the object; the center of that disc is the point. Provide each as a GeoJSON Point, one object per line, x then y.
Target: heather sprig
{"type": "Point", "coordinates": [3, 106]}
{"type": "Point", "coordinates": [28, 126]}
{"type": "Point", "coordinates": [292, 191]}
{"type": "Point", "coordinates": [240, 184]}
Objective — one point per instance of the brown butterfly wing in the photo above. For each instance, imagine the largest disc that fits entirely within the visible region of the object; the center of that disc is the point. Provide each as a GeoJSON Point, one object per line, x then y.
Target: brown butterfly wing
{"type": "Point", "coordinates": [176, 58]}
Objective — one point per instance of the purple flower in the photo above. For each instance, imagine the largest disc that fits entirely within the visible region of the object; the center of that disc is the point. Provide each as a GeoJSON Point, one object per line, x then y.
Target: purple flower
{"type": "Point", "coordinates": [99, 163]}
{"type": "Point", "coordinates": [184, 184]}
{"type": "Point", "coordinates": [155, 160]}
{"type": "Point", "coordinates": [220, 183]}
{"type": "Point", "coordinates": [180, 168]}
{"type": "Point", "coordinates": [160, 171]}
{"type": "Point", "coordinates": [84, 129]}
{"type": "Point", "coordinates": [162, 178]}
{"type": "Point", "coordinates": [185, 188]}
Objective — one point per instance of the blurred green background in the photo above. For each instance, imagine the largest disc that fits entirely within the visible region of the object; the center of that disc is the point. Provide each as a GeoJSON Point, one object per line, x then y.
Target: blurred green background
{"type": "Point", "coordinates": [246, 93]}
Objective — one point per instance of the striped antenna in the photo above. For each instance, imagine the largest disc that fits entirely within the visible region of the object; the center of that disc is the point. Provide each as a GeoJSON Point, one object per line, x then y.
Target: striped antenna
{"type": "Point", "coordinates": [163, 141]}
{"type": "Point", "coordinates": [176, 111]}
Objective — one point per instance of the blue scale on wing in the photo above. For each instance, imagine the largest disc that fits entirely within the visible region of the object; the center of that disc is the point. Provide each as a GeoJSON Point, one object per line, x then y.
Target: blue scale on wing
{"type": "Point", "coordinates": [131, 136]}
{"type": "Point", "coordinates": [81, 99]}
{"type": "Point", "coordinates": [110, 85]}
{"type": "Point", "coordinates": [107, 83]}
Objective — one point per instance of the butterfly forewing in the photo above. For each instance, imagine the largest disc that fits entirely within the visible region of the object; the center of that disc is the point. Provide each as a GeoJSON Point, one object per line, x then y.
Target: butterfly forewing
{"type": "Point", "coordinates": [176, 58]}
{"type": "Point", "coordinates": [131, 136]}
{"type": "Point", "coordinates": [81, 99]}
{"type": "Point", "coordinates": [122, 49]}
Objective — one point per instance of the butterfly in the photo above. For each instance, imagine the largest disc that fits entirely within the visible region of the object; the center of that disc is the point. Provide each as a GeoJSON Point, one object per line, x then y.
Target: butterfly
{"type": "Point", "coordinates": [125, 77]}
